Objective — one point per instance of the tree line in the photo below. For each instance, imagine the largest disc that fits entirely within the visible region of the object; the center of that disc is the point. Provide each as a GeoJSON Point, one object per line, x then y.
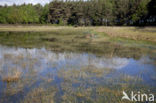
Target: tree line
{"type": "Point", "coordinates": [82, 13]}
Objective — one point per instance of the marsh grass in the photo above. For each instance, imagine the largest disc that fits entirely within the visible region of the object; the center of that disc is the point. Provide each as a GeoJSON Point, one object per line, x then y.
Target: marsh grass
{"type": "Point", "coordinates": [12, 78]}
{"type": "Point", "coordinates": [97, 93]}
{"type": "Point", "coordinates": [40, 95]}
{"type": "Point", "coordinates": [85, 84]}
{"type": "Point", "coordinates": [75, 40]}
{"type": "Point", "coordinates": [135, 33]}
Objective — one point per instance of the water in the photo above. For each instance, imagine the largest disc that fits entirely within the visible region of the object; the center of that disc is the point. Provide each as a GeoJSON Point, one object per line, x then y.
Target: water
{"type": "Point", "coordinates": [42, 75]}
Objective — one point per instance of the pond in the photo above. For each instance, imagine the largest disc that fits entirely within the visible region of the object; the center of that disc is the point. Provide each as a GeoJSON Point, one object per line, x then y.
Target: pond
{"type": "Point", "coordinates": [48, 68]}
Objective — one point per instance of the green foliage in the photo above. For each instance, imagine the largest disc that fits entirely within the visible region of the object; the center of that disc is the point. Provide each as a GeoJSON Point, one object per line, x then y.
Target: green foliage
{"type": "Point", "coordinates": [44, 14]}
{"type": "Point", "coordinates": [19, 14]}
{"type": "Point", "coordinates": [141, 12]}
{"type": "Point", "coordinates": [3, 15]}
{"type": "Point", "coordinates": [80, 12]}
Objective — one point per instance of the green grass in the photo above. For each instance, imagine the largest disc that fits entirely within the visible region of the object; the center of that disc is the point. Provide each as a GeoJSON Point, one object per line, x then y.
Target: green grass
{"type": "Point", "coordinates": [79, 39]}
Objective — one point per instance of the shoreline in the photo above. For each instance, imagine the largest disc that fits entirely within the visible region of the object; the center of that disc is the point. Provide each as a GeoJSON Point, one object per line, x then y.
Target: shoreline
{"type": "Point", "coordinates": [134, 33]}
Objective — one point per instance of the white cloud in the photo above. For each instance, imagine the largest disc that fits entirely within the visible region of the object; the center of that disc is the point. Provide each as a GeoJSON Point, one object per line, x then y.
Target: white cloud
{"type": "Point", "coordinates": [18, 2]}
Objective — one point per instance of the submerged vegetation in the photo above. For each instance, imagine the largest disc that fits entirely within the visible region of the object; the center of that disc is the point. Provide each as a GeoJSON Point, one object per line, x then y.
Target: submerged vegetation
{"type": "Point", "coordinates": [67, 77]}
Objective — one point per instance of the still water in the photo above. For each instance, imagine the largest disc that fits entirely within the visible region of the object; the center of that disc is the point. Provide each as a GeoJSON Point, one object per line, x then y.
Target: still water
{"type": "Point", "coordinates": [41, 75]}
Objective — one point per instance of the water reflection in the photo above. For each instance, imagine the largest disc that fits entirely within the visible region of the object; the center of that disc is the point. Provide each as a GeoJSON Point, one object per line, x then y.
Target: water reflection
{"type": "Point", "coordinates": [42, 76]}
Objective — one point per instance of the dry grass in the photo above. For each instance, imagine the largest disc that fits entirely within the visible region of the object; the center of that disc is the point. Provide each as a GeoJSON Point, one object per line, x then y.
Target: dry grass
{"type": "Point", "coordinates": [12, 78]}
{"type": "Point", "coordinates": [40, 95]}
{"type": "Point", "coordinates": [28, 28]}
{"type": "Point", "coordinates": [135, 33]}
{"type": "Point", "coordinates": [34, 28]}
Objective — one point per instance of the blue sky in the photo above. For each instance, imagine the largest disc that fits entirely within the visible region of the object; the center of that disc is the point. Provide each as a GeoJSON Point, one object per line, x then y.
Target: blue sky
{"type": "Point", "coordinates": [18, 2]}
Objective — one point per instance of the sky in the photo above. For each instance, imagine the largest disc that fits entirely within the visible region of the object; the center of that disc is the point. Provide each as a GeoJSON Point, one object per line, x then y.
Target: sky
{"type": "Point", "coordinates": [18, 2]}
